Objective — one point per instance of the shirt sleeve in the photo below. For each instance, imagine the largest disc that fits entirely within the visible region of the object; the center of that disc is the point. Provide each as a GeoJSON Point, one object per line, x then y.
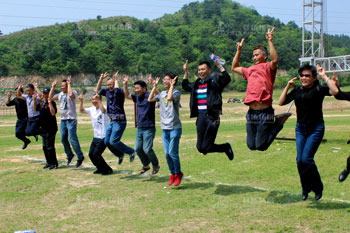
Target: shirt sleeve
{"type": "Point", "coordinates": [176, 96]}
{"type": "Point", "coordinates": [343, 95]}
{"type": "Point", "coordinates": [290, 96]}
{"type": "Point", "coordinates": [102, 92]}
{"type": "Point", "coordinates": [57, 96]}
{"type": "Point", "coordinates": [325, 90]}
{"type": "Point", "coordinates": [245, 73]}
{"type": "Point", "coordinates": [88, 111]}
{"type": "Point", "coordinates": [134, 98]}
{"type": "Point", "coordinates": [75, 93]}
{"type": "Point", "coordinates": [11, 103]}
{"type": "Point", "coordinates": [157, 97]}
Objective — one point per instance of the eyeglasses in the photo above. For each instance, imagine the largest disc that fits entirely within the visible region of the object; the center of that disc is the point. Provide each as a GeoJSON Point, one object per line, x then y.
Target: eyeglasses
{"type": "Point", "coordinates": [305, 75]}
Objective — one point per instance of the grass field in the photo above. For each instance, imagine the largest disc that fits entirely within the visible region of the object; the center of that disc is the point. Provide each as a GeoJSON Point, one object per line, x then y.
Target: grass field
{"type": "Point", "coordinates": [256, 192]}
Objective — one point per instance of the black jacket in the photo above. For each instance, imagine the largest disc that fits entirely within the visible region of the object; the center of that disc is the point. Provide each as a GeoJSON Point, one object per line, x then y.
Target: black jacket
{"type": "Point", "coordinates": [342, 95]}
{"type": "Point", "coordinates": [216, 84]}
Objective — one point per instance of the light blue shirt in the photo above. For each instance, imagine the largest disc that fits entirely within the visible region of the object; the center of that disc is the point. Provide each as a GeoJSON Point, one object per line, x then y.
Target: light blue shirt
{"type": "Point", "coordinates": [30, 102]}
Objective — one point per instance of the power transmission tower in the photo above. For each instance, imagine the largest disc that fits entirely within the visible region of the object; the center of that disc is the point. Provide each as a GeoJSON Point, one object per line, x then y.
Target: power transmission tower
{"type": "Point", "coordinates": [314, 15]}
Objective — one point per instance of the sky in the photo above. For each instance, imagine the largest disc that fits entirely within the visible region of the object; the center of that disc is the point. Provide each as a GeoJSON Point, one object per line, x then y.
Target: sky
{"type": "Point", "coordinates": [16, 15]}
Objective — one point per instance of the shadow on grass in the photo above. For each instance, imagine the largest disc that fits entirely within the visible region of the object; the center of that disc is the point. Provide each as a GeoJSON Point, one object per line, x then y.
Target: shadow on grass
{"type": "Point", "coordinates": [322, 205]}
{"type": "Point", "coordinates": [226, 190]}
{"type": "Point", "coordinates": [283, 197]}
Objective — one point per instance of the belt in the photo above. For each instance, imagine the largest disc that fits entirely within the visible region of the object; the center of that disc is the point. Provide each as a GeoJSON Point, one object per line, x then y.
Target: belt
{"type": "Point", "coordinates": [32, 118]}
{"type": "Point", "coordinates": [260, 110]}
{"type": "Point", "coordinates": [117, 118]}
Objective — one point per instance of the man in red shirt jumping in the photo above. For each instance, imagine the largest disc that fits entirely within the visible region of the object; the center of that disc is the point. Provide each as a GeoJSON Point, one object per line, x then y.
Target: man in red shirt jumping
{"type": "Point", "coordinates": [262, 128]}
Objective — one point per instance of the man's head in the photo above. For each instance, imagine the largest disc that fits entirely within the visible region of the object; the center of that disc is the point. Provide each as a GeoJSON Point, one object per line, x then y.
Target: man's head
{"type": "Point", "coordinates": [140, 88]}
{"type": "Point", "coordinates": [259, 54]}
{"type": "Point", "coordinates": [167, 79]}
{"type": "Point", "coordinates": [110, 84]}
{"type": "Point", "coordinates": [29, 89]}
{"type": "Point", "coordinates": [204, 69]}
{"type": "Point", "coordinates": [18, 91]}
{"type": "Point", "coordinates": [308, 75]}
{"type": "Point", "coordinates": [95, 100]}
{"type": "Point", "coordinates": [64, 86]}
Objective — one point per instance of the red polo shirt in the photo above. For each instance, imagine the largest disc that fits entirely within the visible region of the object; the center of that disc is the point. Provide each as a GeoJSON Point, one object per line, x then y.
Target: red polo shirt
{"type": "Point", "coordinates": [260, 83]}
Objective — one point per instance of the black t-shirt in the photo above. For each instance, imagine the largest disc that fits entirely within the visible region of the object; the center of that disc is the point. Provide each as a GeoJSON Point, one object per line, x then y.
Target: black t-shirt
{"type": "Point", "coordinates": [47, 121]}
{"type": "Point", "coordinates": [21, 107]}
{"type": "Point", "coordinates": [308, 102]}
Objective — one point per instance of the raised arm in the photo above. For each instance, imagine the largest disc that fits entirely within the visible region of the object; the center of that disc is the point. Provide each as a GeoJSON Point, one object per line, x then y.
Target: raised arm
{"type": "Point", "coordinates": [70, 90]}
{"type": "Point", "coordinates": [283, 96]}
{"type": "Point", "coordinates": [235, 63]}
{"type": "Point", "coordinates": [52, 91]}
{"type": "Point", "coordinates": [186, 85]}
{"type": "Point", "coordinates": [52, 109]}
{"type": "Point", "coordinates": [9, 97]}
{"type": "Point", "coordinates": [150, 84]}
{"type": "Point", "coordinates": [333, 89]}
{"type": "Point", "coordinates": [116, 79]}
{"type": "Point", "coordinates": [100, 80]}
{"type": "Point", "coordinates": [103, 110]}
{"type": "Point", "coordinates": [125, 87]}
{"type": "Point", "coordinates": [273, 52]}
{"type": "Point", "coordinates": [81, 99]}
{"type": "Point", "coordinates": [152, 94]}
{"type": "Point", "coordinates": [171, 89]}
{"type": "Point", "coordinates": [37, 90]}
{"type": "Point", "coordinates": [34, 96]}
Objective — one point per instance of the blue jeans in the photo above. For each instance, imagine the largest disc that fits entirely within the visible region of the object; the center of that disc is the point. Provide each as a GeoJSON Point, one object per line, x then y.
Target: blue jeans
{"type": "Point", "coordinates": [114, 133]}
{"type": "Point", "coordinates": [308, 138]}
{"type": "Point", "coordinates": [144, 146]}
{"type": "Point", "coordinates": [171, 140]}
{"type": "Point", "coordinates": [68, 130]}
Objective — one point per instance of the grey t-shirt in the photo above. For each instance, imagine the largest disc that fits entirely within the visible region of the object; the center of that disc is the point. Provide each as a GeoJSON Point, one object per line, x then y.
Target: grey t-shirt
{"type": "Point", "coordinates": [67, 105]}
{"type": "Point", "coordinates": [169, 110]}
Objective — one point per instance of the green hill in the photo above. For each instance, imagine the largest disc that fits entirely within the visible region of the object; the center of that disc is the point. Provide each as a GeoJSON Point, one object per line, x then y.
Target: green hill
{"type": "Point", "coordinates": [142, 46]}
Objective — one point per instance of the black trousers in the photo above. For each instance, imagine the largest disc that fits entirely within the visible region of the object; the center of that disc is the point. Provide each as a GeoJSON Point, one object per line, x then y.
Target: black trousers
{"type": "Point", "coordinates": [262, 129]}
{"type": "Point", "coordinates": [97, 147]}
{"type": "Point", "coordinates": [33, 126]}
{"type": "Point", "coordinates": [21, 126]}
{"type": "Point", "coordinates": [310, 178]}
{"type": "Point", "coordinates": [207, 129]}
{"type": "Point", "coordinates": [348, 164]}
{"type": "Point", "coordinates": [49, 147]}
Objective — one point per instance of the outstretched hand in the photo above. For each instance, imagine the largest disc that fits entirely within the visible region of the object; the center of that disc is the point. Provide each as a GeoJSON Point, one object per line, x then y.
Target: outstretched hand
{"type": "Point", "coordinates": [116, 76]}
{"type": "Point", "coordinates": [186, 66]}
{"type": "Point", "coordinates": [81, 97]}
{"type": "Point", "coordinates": [69, 81]}
{"type": "Point", "coordinates": [103, 75]}
{"type": "Point", "coordinates": [54, 83]}
{"type": "Point", "coordinates": [156, 81]}
{"type": "Point", "coordinates": [9, 94]}
{"type": "Point", "coordinates": [240, 44]}
{"type": "Point", "coordinates": [173, 81]}
{"type": "Point", "coordinates": [125, 79]}
{"type": "Point", "coordinates": [320, 70]}
{"type": "Point", "coordinates": [269, 34]}
{"type": "Point", "coordinates": [335, 79]}
{"type": "Point", "coordinates": [292, 82]}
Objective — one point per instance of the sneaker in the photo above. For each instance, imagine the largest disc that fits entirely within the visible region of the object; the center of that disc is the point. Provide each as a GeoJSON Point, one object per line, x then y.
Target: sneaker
{"type": "Point", "coordinates": [343, 175]}
{"type": "Point", "coordinates": [106, 173]}
{"type": "Point", "coordinates": [155, 169]}
{"type": "Point", "coordinates": [53, 167]}
{"type": "Point", "coordinates": [172, 179]}
{"type": "Point", "coordinates": [79, 162]}
{"type": "Point", "coordinates": [46, 166]}
{"type": "Point", "coordinates": [229, 151]}
{"type": "Point", "coordinates": [132, 157]}
{"type": "Point", "coordinates": [36, 137]}
{"type": "Point", "coordinates": [283, 117]}
{"type": "Point", "coordinates": [178, 178]}
{"type": "Point", "coordinates": [69, 159]}
{"type": "Point", "coordinates": [25, 144]}
{"type": "Point", "coordinates": [120, 160]}
{"type": "Point", "coordinates": [143, 170]}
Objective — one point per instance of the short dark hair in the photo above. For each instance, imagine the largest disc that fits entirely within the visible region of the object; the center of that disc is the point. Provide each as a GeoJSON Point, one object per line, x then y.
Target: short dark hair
{"type": "Point", "coordinates": [308, 67]}
{"type": "Point", "coordinates": [29, 85]}
{"type": "Point", "coordinates": [64, 81]}
{"type": "Point", "coordinates": [171, 75]}
{"type": "Point", "coordinates": [262, 48]}
{"type": "Point", "coordinates": [141, 83]}
{"type": "Point", "coordinates": [21, 89]}
{"type": "Point", "coordinates": [206, 63]}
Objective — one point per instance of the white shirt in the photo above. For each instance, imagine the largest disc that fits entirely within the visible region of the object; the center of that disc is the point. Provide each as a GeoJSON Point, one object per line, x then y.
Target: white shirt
{"type": "Point", "coordinates": [67, 105]}
{"type": "Point", "coordinates": [100, 121]}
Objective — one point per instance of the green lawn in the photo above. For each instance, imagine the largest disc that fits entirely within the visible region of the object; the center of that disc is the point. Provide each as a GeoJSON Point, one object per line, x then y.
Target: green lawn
{"type": "Point", "coordinates": [256, 192]}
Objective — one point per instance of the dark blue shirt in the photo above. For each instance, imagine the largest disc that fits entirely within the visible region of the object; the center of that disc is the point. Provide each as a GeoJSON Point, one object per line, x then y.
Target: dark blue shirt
{"type": "Point", "coordinates": [115, 103]}
{"type": "Point", "coordinates": [145, 111]}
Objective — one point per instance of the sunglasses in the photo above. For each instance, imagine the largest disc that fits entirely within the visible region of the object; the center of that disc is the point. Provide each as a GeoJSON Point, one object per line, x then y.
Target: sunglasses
{"type": "Point", "coordinates": [305, 75]}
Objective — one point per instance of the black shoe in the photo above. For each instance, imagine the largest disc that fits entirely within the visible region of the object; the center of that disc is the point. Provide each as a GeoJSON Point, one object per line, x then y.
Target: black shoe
{"type": "Point", "coordinates": [106, 173]}
{"type": "Point", "coordinates": [47, 166]}
{"type": "Point", "coordinates": [79, 162]}
{"type": "Point", "coordinates": [229, 151]}
{"type": "Point", "coordinates": [25, 144]}
{"type": "Point", "coordinates": [348, 142]}
{"type": "Point", "coordinates": [98, 172]}
{"type": "Point", "coordinates": [343, 175]}
{"type": "Point", "coordinates": [53, 167]}
{"type": "Point", "coordinates": [318, 196]}
{"type": "Point", "coordinates": [69, 159]}
{"type": "Point", "coordinates": [120, 160]}
{"type": "Point", "coordinates": [36, 137]}
{"type": "Point", "coordinates": [304, 196]}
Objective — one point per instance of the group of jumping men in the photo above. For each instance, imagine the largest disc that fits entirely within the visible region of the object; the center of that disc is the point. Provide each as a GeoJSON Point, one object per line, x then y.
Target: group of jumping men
{"type": "Point", "coordinates": [36, 112]}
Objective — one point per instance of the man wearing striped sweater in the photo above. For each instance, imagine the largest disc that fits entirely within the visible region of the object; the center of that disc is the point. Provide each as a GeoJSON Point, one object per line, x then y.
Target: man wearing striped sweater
{"type": "Point", "coordinates": [206, 105]}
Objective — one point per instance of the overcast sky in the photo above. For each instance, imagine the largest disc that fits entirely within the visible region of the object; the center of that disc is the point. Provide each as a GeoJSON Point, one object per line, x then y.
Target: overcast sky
{"type": "Point", "coordinates": [16, 15]}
